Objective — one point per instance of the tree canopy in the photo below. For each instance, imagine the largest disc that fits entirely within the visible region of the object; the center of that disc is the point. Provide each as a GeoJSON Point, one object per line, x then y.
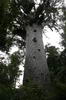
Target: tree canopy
{"type": "Point", "coordinates": [16, 14]}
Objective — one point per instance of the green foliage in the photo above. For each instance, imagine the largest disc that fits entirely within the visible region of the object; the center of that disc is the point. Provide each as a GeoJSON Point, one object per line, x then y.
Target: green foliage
{"type": "Point", "coordinates": [9, 73]}
{"type": "Point", "coordinates": [56, 92]}
{"type": "Point", "coordinates": [63, 42]}
{"type": "Point", "coordinates": [7, 19]}
{"type": "Point", "coordinates": [4, 3]}
{"type": "Point", "coordinates": [30, 93]}
{"type": "Point", "coordinates": [6, 93]}
{"type": "Point", "coordinates": [53, 59]}
{"type": "Point", "coordinates": [57, 67]}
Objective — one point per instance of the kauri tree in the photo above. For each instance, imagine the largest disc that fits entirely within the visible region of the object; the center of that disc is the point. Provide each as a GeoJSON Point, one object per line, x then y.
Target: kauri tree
{"type": "Point", "coordinates": [27, 18]}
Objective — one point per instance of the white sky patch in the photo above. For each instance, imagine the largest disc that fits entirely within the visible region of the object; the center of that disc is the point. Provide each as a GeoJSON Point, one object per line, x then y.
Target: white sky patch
{"type": "Point", "coordinates": [37, 1]}
{"type": "Point", "coordinates": [13, 49]}
{"type": "Point", "coordinates": [65, 3]}
{"type": "Point", "coordinates": [53, 38]}
{"type": "Point", "coordinates": [20, 79]}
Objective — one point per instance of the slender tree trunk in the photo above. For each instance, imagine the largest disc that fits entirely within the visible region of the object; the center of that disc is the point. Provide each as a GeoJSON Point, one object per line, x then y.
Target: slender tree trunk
{"type": "Point", "coordinates": [36, 70]}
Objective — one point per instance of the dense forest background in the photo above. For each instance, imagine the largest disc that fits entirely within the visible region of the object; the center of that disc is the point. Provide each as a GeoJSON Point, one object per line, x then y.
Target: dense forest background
{"type": "Point", "coordinates": [10, 29]}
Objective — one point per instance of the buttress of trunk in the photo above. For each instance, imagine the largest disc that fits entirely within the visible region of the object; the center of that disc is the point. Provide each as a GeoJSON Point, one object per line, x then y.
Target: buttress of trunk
{"type": "Point", "coordinates": [36, 70]}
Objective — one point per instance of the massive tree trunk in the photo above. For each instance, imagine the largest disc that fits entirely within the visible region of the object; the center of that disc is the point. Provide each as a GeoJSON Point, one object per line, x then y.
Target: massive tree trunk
{"type": "Point", "coordinates": [36, 70]}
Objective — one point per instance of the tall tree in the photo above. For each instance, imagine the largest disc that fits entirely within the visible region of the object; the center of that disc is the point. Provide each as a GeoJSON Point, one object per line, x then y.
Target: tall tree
{"type": "Point", "coordinates": [27, 18]}
{"type": "Point", "coordinates": [46, 13]}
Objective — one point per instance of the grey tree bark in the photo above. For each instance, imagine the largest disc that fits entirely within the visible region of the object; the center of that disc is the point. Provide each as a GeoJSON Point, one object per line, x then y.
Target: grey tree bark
{"type": "Point", "coordinates": [36, 69]}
